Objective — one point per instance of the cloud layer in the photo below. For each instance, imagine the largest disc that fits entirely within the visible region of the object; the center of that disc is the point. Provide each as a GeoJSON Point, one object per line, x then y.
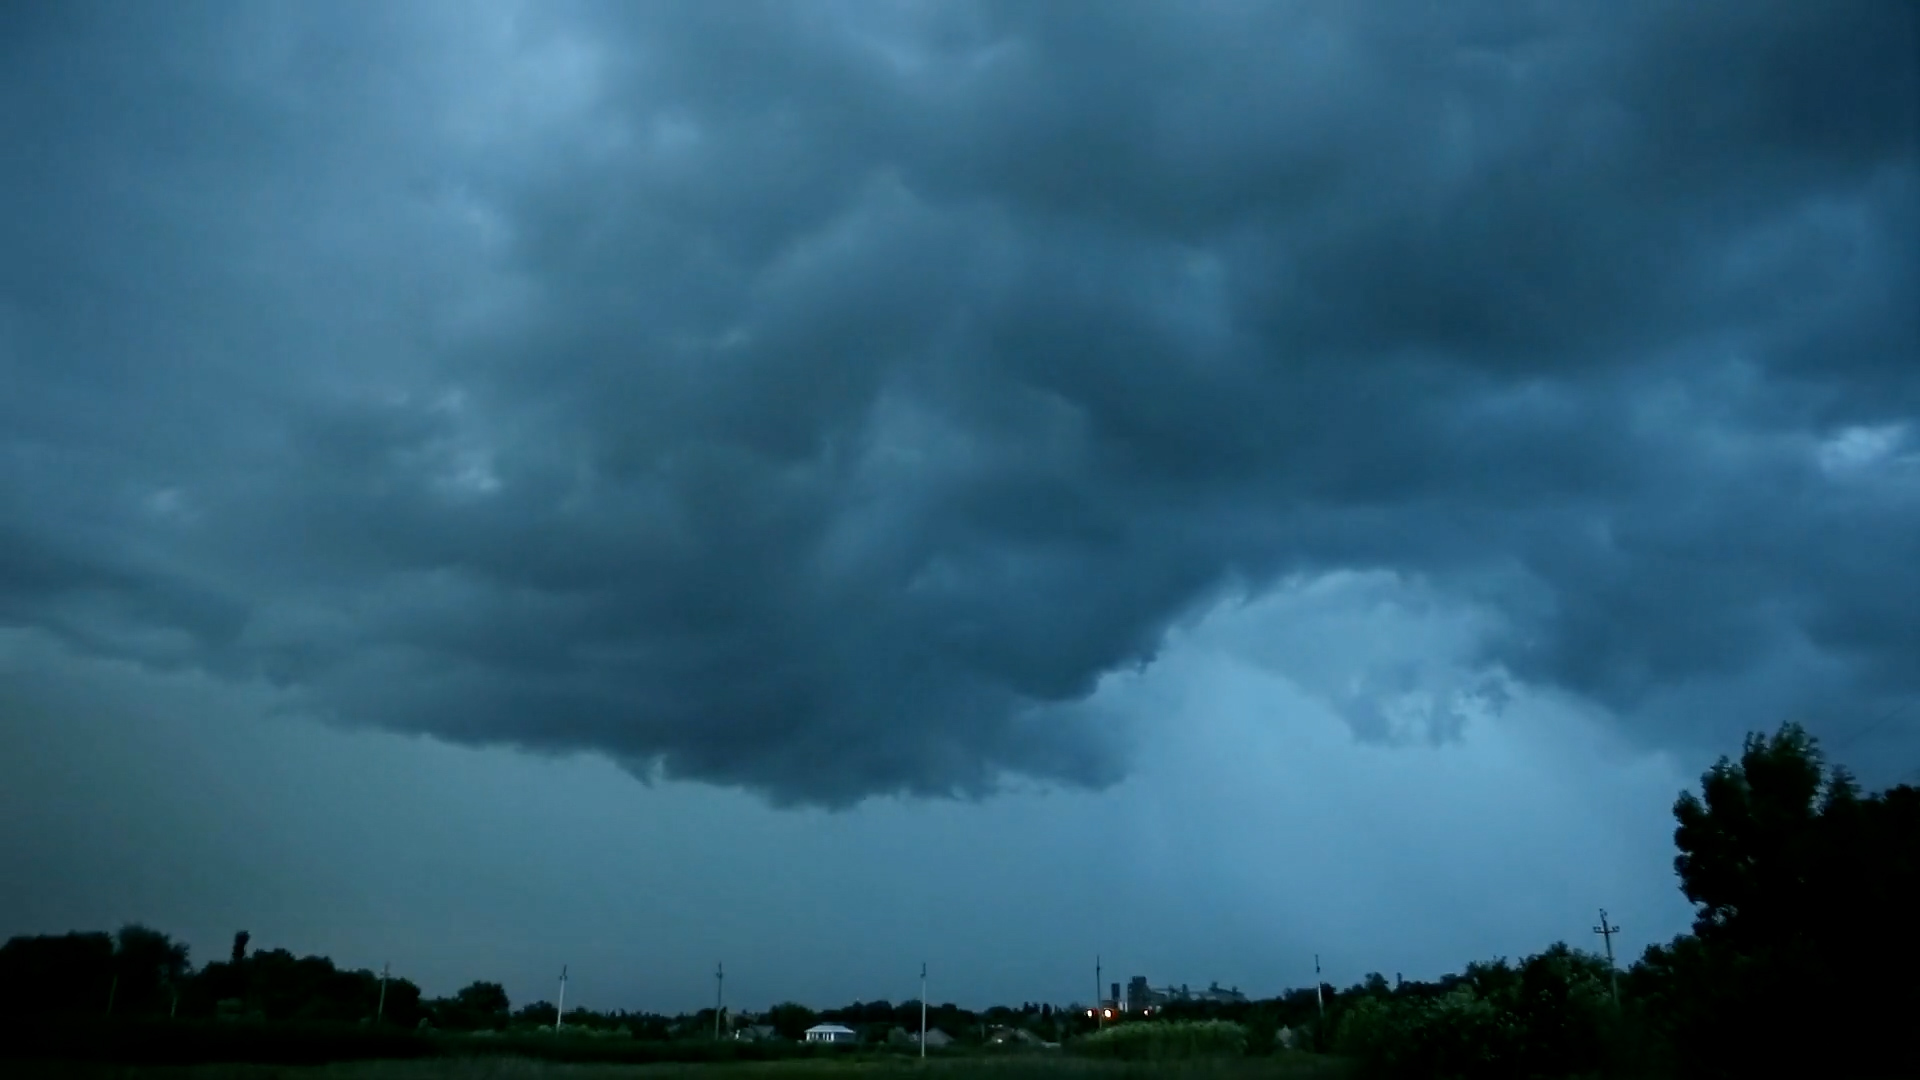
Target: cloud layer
{"type": "Point", "coordinates": [821, 399]}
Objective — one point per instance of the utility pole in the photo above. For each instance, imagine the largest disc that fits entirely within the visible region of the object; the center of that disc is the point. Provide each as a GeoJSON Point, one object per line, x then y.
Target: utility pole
{"type": "Point", "coordinates": [380, 1010]}
{"type": "Point", "coordinates": [1606, 933]}
{"type": "Point", "coordinates": [923, 1009]}
{"type": "Point", "coordinates": [1319, 998]}
{"type": "Point", "coordinates": [1099, 1003]}
{"type": "Point", "coordinates": [719, 995]}
{"type": "Point", "coordinates": [560, 1010]}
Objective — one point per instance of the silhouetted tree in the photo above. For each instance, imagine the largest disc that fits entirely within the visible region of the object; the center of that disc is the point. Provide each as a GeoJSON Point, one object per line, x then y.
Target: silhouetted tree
{"type": "Point", "coordinates": [404, 1007]}
{"type": "Point", "coordinates": [791, 1020]}
{"type": "Point", "coordinates": [46, 974]}
{"type": "Point", "coordinates": [534, 1014]}
{"type": "Point", "coordinates": [150, 968]}
{"type": "Point", "coordinates": [1801, 887]}
{"type": "Point", "coordinates": [477, 1006]}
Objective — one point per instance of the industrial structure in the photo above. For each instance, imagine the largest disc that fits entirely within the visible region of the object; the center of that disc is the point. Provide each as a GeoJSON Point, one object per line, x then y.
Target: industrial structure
{"type": "Point", "coordinates": [1142, 997]}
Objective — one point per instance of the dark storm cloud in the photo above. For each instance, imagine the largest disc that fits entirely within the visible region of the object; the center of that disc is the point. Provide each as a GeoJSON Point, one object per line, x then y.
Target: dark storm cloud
{"type": "Point", "coordinates": [821, 398]}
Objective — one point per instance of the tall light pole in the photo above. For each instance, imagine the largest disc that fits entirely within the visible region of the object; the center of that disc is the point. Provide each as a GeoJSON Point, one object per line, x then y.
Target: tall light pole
{"type": "Point", "coordinates": [923, 1008]}
{"type": "Point", "coordinates": [1099, 1003]}
{"type": "Point", "coordinates": [380, 1009]}
{"type": "Point", "coordinates": [719, 995]}
{"type": "Point", "coordinates": [560, 1010]}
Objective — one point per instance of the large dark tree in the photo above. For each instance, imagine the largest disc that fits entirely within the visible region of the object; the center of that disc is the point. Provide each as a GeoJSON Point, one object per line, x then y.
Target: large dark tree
{"type": "Point", "coordinates": [1751, 841]}
{"type": "Point", "coordinates": [1802, 887]}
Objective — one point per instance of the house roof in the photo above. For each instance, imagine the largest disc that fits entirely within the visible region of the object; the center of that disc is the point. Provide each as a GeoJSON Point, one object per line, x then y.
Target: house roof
{"type": "Point", "coordinates": [834, 1028]}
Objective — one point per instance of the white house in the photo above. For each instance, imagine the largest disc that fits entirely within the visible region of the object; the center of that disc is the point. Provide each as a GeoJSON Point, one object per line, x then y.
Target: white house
{"type": "Point", "coordinates": [831, 1033]}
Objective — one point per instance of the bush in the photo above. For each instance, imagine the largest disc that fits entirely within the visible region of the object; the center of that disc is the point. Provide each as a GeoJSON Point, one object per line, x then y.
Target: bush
{"type": "Point", "coordinates": [1456, 1035]}
{"type": "Point", "coordinates": [1552, 1016]}
{"type": "Point", "coordinates": [1166, 1041]}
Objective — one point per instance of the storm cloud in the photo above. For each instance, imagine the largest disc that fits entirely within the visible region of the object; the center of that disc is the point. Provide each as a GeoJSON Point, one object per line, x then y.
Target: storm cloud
{"type": "Point", "coordinates": [822, 398]}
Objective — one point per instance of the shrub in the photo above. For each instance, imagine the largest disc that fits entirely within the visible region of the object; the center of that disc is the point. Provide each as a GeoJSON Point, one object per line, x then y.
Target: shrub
{"type": "Point", "coordinates": [1551, 1016]}
{"type": "Point", "coordinates": [1166, 1041]}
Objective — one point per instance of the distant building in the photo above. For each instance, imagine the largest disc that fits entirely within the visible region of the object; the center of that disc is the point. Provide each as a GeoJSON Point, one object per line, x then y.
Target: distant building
{"type": "Point", "coordinates": [1141, 996]}
{"type": "Point", "coordinates": [832, 1033]}
{"type": "Point", "coordinates": [1223, 996]}
{"type": "Point", "coordinates": [756, 1033]}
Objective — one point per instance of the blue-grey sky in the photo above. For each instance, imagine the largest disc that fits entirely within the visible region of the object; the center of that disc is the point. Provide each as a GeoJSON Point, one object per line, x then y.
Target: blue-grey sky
{"type": "Point", "coordinates": [822, 486]}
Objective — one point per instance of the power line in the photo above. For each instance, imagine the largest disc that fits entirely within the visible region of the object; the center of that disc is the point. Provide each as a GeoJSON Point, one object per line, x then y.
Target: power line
{"type": "Point", "coordinates": [1879, 722]}
{"type": "Point", "coordinates": [1874, 725]}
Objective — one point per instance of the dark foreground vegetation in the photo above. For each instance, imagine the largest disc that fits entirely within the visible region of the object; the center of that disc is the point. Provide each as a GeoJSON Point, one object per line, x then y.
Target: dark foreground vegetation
{"type": "Point", "coordinates": [1801, 962]}
{"type": "Point", "coordinates": [1027, 1067]}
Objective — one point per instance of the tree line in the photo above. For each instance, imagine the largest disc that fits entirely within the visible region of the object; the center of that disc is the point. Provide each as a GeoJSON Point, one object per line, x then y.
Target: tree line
{"type": "Point", "coordinates": [143, 973]}
{"type": "Point", "coordinates": [1800, 956]}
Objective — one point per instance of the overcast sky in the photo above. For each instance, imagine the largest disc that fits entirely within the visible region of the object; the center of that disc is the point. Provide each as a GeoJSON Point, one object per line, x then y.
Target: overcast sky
{"type": "Point", "coordinates": [826, 485]}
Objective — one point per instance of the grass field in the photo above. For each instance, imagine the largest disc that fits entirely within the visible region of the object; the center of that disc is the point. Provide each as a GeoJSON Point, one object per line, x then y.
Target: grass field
{"type": "Point", "coordinates": [496, 1068]}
